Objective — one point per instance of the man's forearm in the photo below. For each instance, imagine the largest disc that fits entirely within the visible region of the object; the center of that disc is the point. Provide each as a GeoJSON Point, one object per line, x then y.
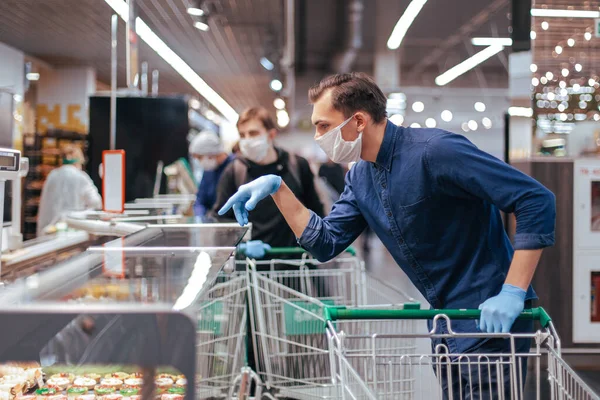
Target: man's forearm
{"type": "Point", "coordinates": [523, 267]}
{"type": "Point", "coordinates": [294, 212]}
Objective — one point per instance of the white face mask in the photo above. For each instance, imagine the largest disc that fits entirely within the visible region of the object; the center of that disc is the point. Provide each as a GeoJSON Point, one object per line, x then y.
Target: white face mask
{"type": "Point", "coordinates": [255, 149]}
{"type": "Point", "coordinates": [209, 164]}
{"type": "Point", "coordinates": [337, 149]}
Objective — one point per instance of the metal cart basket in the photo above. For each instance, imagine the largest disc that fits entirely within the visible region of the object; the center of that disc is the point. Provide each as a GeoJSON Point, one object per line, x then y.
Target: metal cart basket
{"type": "Point", "coordinates": [221, 336]}
{"type": "Point", "coordinates": [361, 345]}
{"type": "Point", "coordinates": [288, 325]}
{"type": "Point", "coordinates": [341, 281]}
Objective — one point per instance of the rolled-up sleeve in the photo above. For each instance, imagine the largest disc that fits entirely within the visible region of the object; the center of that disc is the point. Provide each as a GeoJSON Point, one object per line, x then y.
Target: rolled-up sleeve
{"type": "Point", "coordinates": [458, 168]}
{"type": "Point", "coordinates": [327, 237]}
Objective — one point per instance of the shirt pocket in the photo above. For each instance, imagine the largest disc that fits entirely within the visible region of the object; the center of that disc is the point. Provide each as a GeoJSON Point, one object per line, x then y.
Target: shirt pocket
{"type": "Point", "coordinates": [422, 224]}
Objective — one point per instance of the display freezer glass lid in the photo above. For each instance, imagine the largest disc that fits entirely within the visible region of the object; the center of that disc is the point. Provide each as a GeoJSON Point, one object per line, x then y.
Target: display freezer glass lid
{"type": "Point", "coordinates": [185, 235]}
{"type": "Point", "coordinates": [173, 278]}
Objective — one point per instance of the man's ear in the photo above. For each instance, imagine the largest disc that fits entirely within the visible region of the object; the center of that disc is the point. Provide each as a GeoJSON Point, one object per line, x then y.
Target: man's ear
{"type": "Point", "coordinates": [272, 133]}
{"type": "Point", "coordinates": [361, 120]}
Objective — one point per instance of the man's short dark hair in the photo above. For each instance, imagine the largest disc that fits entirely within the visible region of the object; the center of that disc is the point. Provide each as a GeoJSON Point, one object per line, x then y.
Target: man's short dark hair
{"type": "Point", "coordinates": [259, 113]}
{"type": "Point", "coordinates": [352, 92]}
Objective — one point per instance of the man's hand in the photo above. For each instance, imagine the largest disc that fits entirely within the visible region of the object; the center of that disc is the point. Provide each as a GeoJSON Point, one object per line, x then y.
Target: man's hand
{"type": "Point", "coordinates": [248, 196]}
{"type": "Point", "coordinates": [255, 248]}
{"type": "Point", "coordinates": [498, 313]}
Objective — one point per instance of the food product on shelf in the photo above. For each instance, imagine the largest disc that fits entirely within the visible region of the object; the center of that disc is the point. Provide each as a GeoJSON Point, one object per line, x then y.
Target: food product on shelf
{"type": "Point", "coordinates": [181, 381]}
{"type": "Point", "coordinates": [129, 390]}
{"type": "Point", "coordinates": [47, 390]}
{"type": "Point", "coordinates": [11, 369]}
{"type": "Point", "coordinates": [114, 382]}
{"type": "Point", "coordinates": [134, 381]}
{"type": "Point", "coordinates": [25, 382]}
{"type": "Point", "coordinates": [85, 381]}
{"type": "Point", "coordinates": [102, 390]}
{"type": "Point", "coordinates": [169, 396]}
{"type": "Point", "coordinates": [114, 396]}
{"type": "Point", "coordinates": [95, 377]}
{"type": "Point", "coordinates": [118, 375]}
{"type": "Point", "coordinates": [163, 384]}
{"type": "Point", "coordinates": [61, 383]}
{"type": "Point", "coordinates": [74, 391]}
{"type": "Point", "coordinates": [64, 375]}
{"type": "Point", "coordinates": [177, 389]}
{"type": "Point", "coordinates": [86, 397]}
{"type": "Point", "coordinates": [56, 397]}
{"type": "Point", "coordinates": [13, 384]}
{"type": "Point", "coordinates": [19, 378]}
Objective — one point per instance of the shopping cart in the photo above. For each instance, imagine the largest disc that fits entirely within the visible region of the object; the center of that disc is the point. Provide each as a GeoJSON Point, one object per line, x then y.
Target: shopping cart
{"type": "Point", "coordinates": [360, 348]}
{"type": "Point", "coordinates": [342, 281]}
{"type": "Point", "coordinates": [292, 351]}
{"type": "Point", "coordinates": [221, 336]}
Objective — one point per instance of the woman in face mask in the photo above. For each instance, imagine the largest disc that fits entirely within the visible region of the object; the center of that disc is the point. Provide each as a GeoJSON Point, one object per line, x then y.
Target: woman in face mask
{"type": "Point", "coordinates": [208, 150]}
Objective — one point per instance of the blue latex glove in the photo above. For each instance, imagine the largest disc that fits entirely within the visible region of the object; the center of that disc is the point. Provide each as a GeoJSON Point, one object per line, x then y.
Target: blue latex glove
{"type": "Point", "coordinates": [248, 196]}
{"type": "Point", "coordinates": [255, 248]}
{"type": "Point", "coordinates": [498, 313]}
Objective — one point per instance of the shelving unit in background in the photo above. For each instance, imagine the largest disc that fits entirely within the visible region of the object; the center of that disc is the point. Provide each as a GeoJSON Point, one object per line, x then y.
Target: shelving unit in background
{"type": "Point", "coordinates": [44, 153]}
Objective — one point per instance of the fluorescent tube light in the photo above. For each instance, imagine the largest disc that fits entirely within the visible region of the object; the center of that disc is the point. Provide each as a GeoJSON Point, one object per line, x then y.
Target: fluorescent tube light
{"type": "Point", "coordinates": [165, 52]}
{"type": "Point", "coordinates": [489, 41]}
{"type": "Point", "coordinates": [404, 23]}
{"type": "Point", "coordinates": [195, 11]}
{"type": "Point", "coordinates": [520, 112]}
{"type": "Point", "coordinates": [542, 12]}
{"type": "Point", "coordinates": [266, 63]}
{"type": "Point", "coordinates": [468, 64]}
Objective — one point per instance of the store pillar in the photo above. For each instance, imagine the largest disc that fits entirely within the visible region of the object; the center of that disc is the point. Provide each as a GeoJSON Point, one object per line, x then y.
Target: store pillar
{"type": "Point", "coordinates": [387, 62]}
{"type": "Point", "coordinates": [520, 138]}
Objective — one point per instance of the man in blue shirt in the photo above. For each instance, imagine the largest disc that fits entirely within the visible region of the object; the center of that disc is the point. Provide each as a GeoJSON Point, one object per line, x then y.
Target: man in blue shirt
{"type": "Point", "coordinates": [208, 149]}
{"type": "Point", "coordinates": [433, 199]}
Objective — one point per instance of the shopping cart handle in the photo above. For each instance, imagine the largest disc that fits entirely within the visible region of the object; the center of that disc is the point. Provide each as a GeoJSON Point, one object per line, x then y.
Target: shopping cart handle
{"type": "Point", "coordinates": [294, 250]}
{"type": "Point", "coordinates": [342, 313]}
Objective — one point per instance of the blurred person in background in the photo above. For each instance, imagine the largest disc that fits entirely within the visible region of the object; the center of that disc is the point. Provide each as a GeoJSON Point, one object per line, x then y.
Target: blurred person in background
{"type": "Point", "coordinates": [208, 149]}
{"type": "Point", "coordinates": [334, 174]}
{"type": "Point", "coordinates": [433, 198]}
{"type": "Point", "coordinates": [66, 189]}
{"type": "Point", "coordinates": [259, 157]}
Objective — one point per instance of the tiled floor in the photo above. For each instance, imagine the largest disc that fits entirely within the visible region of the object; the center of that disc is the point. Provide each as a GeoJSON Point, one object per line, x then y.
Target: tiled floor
{"type": "Point", "coordinates": [381, 265]}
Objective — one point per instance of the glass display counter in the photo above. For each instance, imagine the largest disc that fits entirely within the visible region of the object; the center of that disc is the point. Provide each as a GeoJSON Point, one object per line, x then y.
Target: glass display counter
{"type": "Point", "coordinates": [143, 319]}
{"type": "Point", "coordinates": [185, 235]}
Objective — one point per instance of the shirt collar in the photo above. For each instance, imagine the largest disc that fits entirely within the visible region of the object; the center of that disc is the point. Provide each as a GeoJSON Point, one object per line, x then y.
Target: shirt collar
{"type": "Point", "coordinates": [386, 151]}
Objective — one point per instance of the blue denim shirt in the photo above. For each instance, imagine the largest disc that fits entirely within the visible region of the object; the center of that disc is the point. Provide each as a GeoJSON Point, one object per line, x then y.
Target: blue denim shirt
{"type": "Point", "coordinates": [432, 198]}
{"type": "Point", "coordinates": [207, 190]}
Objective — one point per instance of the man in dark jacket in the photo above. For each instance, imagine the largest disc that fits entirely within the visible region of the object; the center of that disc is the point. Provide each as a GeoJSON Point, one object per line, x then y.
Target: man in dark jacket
{"type": "Point", "coordinates": [260, 157]}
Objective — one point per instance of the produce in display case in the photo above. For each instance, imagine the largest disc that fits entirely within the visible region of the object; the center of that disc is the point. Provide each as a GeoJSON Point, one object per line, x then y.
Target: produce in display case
{"type": "Point", "coordinates": [27, 381]}
{"type": "Point", "coordinates": [86, 333]}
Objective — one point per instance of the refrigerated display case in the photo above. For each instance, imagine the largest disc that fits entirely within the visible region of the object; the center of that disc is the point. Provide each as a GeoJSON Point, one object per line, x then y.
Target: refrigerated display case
{"type": "Point", "coordinates": [186, 235]}
{"type": "Point", "coordinates": [118, 314]}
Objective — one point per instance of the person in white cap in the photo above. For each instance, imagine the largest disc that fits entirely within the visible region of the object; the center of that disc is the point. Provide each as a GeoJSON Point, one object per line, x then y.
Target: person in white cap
{"type": "Point", "coordinates": [67, 188]}
{"type": "Point", "coordinates": [208, 149]}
